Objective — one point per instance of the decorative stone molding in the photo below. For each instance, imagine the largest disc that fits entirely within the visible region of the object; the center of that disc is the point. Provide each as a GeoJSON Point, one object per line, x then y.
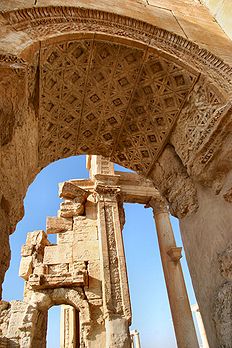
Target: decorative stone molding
{"type": "Point", "coordinates": [43, 21]}
{"type": "Point", "coordinates": [135, 142]}
{"type": "Point", "coordinates": [12, 60]}
{"type": "Point", "coordinates": [198, 132]}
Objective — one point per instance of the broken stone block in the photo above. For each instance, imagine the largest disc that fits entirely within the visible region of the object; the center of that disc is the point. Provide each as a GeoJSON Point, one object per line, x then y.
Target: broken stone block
{"type": "Point", "coordinates": [61, 268]}
{"type": "Point", "coordinates": [69, 209]}
{"type": "Point", "coordinates": [25, 268]}
{"type": "Point", "coordinates": [35, 280]}
{"type": "Point", "coordinates": [71, 191]}
{"type": "Point", "coordinates": [41, 269]}
{"type": "Point", "coordinates": [26, 250]}
{"type": "Point", "coordinates": [37, 237]}
{"type": "Point", "coordinates": [58, 224]}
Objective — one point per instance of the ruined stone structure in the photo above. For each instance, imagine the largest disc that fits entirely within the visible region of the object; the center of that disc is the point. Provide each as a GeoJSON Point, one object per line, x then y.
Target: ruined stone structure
{"type": "Point", "coordinates": [86, 268]}
{"type": "Point", "coordinates": [145, 83]}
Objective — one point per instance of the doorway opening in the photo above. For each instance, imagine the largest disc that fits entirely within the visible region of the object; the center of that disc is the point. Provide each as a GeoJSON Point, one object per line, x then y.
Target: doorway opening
{"type": "Point", "coordinates": [63, 329]}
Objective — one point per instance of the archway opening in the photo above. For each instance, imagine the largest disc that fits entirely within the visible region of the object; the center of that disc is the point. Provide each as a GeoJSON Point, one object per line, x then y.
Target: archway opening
{"type": "Point", "coordinates": [63, 327]}
{"type": "Point", "coordinates": [148, 293]}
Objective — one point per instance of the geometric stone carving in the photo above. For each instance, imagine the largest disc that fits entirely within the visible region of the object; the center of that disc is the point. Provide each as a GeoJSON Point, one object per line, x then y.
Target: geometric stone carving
{"type": "Point", "coordinates": [198, 120]}
{"type": "Point", "coordinates": [108, 98]}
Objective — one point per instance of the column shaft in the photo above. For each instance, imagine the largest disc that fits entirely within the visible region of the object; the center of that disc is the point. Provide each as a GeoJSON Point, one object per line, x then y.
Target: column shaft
{"type": "Point", "coordinates": [178, 298]}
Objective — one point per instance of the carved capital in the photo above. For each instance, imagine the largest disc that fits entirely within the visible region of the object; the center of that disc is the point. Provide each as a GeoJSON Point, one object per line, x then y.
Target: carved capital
{"type": "Point", "coordinates": [111, 193]}
{"type": "Point", "coordinates": [158, 204]}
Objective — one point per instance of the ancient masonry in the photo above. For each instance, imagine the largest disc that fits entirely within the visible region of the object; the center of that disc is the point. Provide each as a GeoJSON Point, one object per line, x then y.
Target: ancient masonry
{"type": "Point", "coordinates": [85, 271]}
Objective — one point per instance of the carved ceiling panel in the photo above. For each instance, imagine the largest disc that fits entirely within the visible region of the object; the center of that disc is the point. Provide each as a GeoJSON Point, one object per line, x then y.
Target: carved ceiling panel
{"type": "Point", "coordinates": [110, 99]}
{"type": "Point", "coordinates": [198, 123]}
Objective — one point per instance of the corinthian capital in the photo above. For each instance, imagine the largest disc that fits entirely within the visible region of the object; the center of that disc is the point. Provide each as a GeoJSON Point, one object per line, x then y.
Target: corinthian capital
{"type": "Point", "coordinates": [158, 204]}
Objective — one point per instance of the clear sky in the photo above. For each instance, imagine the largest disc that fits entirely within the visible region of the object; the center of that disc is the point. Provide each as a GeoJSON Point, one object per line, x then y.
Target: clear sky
{"type": "Point", "coordinates": [150, 308]}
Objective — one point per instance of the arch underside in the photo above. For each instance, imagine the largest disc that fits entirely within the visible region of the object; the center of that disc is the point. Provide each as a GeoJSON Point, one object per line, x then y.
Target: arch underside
{"type": "Point", "coordinates": [106, 84]}
{"type": "Point", "coordinates": [110, 99]}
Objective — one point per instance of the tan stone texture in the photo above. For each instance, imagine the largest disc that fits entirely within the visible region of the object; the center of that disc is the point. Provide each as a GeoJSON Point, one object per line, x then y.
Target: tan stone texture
{"type": "Point", "coordinates": [144, 83]}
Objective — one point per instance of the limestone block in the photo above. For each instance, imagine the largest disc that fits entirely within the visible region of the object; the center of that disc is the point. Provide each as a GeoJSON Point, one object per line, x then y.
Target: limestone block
{"type": "Point", "coordinates": [35, 280]}
{"type": "Point", "coordinates": [69, 209]}
{"type": "Point", "coordinates": [91, 209]}
{"type": "Point", "coordinates": [117, 333]}
{"type": "Point", "coordinates": [56, 254]}
{"type": "Point", "coordinates": [65, 237]}
{"type": "Point", "coordinates": [85, 250]}
{"type": "Point", "coordinates": [78, 266]}
{"type": "Point", "coordinates": [69, 190]}
{"type": "Point", "coordinates": [26, 250]}
{"type": "Point", "coordinates": [85, 229]}
{"type": "Point", "coordinates": [61, 268]}
{"type": "Point", "coordinates": [18, 310]}
{"type": "Point", "coordinates": [58, 224]}
{"type": "Point", "coordinates": [37, 237]}
{"type": "Point", "coordinates": [25, 268]}
{"type": "Point", "coordinates": [40, 269]}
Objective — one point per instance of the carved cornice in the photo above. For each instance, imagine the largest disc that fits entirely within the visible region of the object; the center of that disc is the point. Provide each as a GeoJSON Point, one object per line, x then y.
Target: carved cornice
{"type": "Point", "coordinates": [11, 59]}
{"type": "Point", "coordinates": [45, 21]}
{"type": "Point", "coordinates": [108, 191]}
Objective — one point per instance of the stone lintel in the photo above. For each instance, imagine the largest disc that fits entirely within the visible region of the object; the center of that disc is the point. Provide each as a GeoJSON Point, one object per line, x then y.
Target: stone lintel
{"type": "Point", "coordinates": [58, 224]}
{"type": "Point", "coordinates": [106, 179]}
{"type": "Point", "coordinates": [135, 188]}
{"type": "Point", "coordinates": [56, 281]}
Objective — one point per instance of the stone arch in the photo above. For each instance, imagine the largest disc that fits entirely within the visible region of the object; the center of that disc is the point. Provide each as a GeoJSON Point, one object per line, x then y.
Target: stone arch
{"type": "Point", "coordinates": [44, 299]}
{"type": "Point", "coordinates": [192, 86]}
{"type": "Point", "coordinates": [33, 324]}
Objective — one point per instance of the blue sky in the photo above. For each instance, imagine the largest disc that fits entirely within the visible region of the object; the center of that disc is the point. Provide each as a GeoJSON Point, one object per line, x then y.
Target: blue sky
{"type": "Point", "coordinates": [150, 308]}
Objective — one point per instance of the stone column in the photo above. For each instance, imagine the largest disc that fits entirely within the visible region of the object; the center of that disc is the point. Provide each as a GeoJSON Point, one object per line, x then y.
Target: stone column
{"type": "Point", "coordinates": [170, 255]}
{"type": "Point", "coordinates": [136, 339]}
{"type": "Point", "coordinates": [68, 327]}
{"type": "Point", "coordinates": [132, 340]}
{"type": "Point", "coordinates": [200, 325]}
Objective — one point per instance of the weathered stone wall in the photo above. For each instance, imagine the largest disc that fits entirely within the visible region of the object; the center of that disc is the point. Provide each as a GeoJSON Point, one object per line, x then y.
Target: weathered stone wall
{"type": "Point", "coordinates": [206, 236]}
